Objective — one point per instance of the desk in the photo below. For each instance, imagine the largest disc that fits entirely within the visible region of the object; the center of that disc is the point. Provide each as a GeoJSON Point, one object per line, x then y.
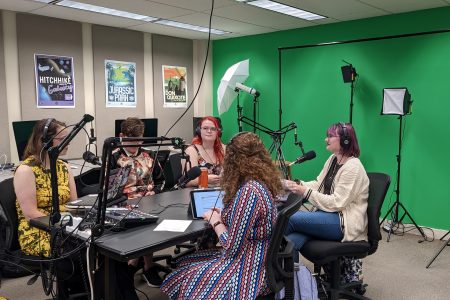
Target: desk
{"type": "Point", "coordinates": [138, 241]}
{"type": "Point", "coordinates": [75, 163]}
{"type": "Point", "coordinates": [135, 242]}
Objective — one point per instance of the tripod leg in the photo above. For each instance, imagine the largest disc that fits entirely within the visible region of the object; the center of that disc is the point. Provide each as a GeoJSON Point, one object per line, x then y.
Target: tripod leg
{"type": "Point", "coordinates": [388, 212]}
{"type": "Point", "coordinates": [447, 243]}
{"type": "Point", "coordinates": [415, 224]}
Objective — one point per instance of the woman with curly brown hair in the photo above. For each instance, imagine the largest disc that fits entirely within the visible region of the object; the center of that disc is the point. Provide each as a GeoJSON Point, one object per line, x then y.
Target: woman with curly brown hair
{"type": "Point", "coordinates": [244, 227]}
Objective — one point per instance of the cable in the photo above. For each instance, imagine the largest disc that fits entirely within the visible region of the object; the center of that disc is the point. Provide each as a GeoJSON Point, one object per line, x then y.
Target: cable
{"type": "Point", "coordinates": [91, 287]}
{"type": "Point", "coordinates": [203, 72]}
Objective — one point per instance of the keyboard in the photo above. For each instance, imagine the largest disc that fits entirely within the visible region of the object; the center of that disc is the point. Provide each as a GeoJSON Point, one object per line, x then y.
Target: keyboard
{"type": "Point", "coordinates": [125, 217]}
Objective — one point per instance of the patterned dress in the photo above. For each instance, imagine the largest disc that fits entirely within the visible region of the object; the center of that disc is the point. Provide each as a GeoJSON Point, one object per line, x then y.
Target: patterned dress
{"type": "Point", "coordinates": [238, 270]}
{"type": "Point", "coordinates": [212, 168]}
{"type": "Point", "coordinates": [139, 178]}
{"type": "Point", "coordinates": [32, 240]}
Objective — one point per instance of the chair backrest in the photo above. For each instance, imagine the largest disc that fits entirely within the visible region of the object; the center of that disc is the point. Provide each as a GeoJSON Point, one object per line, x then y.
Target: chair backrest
{"type": "Point", "coordinates": [8, 215]}
{"type": "Point", "coordinates": [378, 187]}
{"type": "Point", "coordinates": [173, 170]}
{"type": "Point", "coordinates": [88, 182]}
{"type": "Point", "coordinates": [162, 157]}
{"type": "Point", "coordinates": [279, 260]}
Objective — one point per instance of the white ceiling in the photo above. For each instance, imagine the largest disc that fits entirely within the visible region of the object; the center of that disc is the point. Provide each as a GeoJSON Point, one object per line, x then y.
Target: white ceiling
{"type": "Point", "coordinates": [238, 18]}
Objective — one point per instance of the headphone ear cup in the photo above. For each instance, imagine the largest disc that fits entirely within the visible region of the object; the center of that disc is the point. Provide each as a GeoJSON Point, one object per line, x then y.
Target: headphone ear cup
{"type": "Point", "coordinates": [344, 139]}
{"type": "Point", "coordinates": [198, 131]}
{"type": "Point", "coordinates": [45, 138]}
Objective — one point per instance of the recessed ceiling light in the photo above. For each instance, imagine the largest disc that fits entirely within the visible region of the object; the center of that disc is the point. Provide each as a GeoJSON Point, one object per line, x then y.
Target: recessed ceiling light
{"type": "Point", "coordinates": [104, 10]}
{"type": "Point", "coordinates": [285, 9]}
{"type": "Point", "coordinates": [189, 26]}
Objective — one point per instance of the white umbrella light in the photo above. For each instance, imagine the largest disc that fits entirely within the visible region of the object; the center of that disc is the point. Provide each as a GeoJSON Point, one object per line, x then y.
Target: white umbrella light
{"type": "Point", "coordinates": [226, 91]}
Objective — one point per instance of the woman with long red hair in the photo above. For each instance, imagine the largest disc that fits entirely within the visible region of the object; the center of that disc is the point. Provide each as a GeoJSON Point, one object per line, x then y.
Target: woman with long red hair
{"type": "Point", "coordinates": [207, 150]}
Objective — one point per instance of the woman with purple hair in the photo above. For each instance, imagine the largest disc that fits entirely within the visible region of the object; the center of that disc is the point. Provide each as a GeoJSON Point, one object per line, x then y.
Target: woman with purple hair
{"type": "Point", "coordinates": [339, 194]}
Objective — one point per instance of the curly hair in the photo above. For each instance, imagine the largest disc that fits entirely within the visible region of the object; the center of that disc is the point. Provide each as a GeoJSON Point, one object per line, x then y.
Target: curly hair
{"type": "Point", "coordinates": [247, 159]}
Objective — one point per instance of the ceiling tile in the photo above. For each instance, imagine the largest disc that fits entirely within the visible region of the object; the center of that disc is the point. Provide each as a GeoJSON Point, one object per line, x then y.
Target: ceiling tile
{"type": "Point", "coordinates": [20, 5]}
{"type": "Point", "coordinates": [84, 16]}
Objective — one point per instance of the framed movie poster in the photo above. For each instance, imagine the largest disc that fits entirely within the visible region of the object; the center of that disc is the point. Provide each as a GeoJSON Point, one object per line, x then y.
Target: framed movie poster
{"type": "Point", "coordinates": [174, 86]}
{"type": "Point", "coordinates": [120, 82]}
{"type": "Point", "coordinates": [55, 86]}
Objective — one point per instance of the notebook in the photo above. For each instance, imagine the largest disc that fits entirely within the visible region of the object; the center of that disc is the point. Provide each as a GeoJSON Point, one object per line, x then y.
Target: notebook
{"type": "Point", "coordinates": [204, 199]}
{"type": "Point", "coordinates": [118, 179]}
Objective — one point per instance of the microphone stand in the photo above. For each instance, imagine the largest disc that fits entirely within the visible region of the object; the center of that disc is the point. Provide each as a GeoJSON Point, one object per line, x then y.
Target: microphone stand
{"type": "Point", "coordinates": [255, 102]}
{"type": "Point", "coordinates": [109, 145]}
{"type": "Point", "coordinates": [277, 141]}
{"type": "Point", "coordinates": [239, 111]}
{"type": "Point", "coordinates": [53, 153]}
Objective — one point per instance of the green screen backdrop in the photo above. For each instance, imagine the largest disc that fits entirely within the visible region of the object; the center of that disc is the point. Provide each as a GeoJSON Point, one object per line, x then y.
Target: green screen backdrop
{"type": "Point", "coordinates": [315, 96]}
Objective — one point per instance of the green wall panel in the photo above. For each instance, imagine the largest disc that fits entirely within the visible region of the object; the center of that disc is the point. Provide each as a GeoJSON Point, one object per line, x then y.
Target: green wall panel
{"type": "Point", "coordinates": [314, 96]}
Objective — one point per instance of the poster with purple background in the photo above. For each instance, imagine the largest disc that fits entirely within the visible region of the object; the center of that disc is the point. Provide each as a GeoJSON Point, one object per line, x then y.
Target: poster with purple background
{"type": "Point", "coordinates": [55, 86]}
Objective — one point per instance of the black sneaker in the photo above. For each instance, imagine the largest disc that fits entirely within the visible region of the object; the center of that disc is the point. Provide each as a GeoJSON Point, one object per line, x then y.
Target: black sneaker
{"type": "Point", "coordinates": [152, 277]}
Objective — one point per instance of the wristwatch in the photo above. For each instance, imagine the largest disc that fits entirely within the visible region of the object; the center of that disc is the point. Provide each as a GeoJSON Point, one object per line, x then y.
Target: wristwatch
{"type": "Point", "coordinates": [217, 223]}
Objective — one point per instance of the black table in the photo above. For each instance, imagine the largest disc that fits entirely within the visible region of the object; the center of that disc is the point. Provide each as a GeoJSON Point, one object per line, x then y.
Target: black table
{"type": "Point", "coordinates": [135, 242]}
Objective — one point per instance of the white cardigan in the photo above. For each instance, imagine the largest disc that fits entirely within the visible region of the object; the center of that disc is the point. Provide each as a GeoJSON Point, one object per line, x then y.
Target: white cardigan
{"type": "Point", "coordinates": [349, 195]}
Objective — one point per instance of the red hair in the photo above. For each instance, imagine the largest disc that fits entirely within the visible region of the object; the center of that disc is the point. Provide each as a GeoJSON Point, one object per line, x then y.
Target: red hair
{"type": "Point", "coordinates": [218, 149]}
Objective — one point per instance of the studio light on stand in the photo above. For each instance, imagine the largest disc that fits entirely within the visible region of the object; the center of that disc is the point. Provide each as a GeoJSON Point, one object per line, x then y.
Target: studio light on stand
{"type": "Point", "coordinates": [349, 75]}
{"type": "Point", "coordinates": [397, 101]}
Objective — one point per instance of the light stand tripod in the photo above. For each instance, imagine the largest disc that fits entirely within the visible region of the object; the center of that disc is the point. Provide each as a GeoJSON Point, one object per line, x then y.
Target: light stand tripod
{"type": "Point", "coordinates": [239, 112]}
{"type": "Point", "coordinates": [277, 140]}
{"type": "Point", "coordinates": [447, 243]}
{"type": "Point", "coordinates": [349, 75]}
{"type": "Point", "coordinates": [397, 204]}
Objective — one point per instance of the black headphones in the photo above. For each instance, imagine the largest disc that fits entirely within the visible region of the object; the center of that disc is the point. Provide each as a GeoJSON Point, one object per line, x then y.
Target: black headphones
{"type": "Point", "coordinates": [45, 138]}
{"type": "Point", "coordinates": [198, 129]}
{"type": "Point", "coordinates": [344, 138]}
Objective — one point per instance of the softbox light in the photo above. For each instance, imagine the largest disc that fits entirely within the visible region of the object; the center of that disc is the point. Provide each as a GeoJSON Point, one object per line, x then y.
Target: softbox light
{"type": "Point", "coordinates": [396, 101]}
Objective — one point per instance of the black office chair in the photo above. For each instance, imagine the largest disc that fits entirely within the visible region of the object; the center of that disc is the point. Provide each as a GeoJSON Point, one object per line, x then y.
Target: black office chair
{"type": "Point", "coordinates": [330, 253]}
{"type": "Point", "coordinates": [172, 170]}
{"type": "Point", "coordinates": [88, 182]}
{"type": "Point", "coordinates": [279, 259]}
{"type": "Point", "coordinates": [9, 236]}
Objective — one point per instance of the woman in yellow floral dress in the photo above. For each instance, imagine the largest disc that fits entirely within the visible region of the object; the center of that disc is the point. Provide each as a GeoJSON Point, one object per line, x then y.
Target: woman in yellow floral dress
{"type": "Point", "coordinates": [33, 188]}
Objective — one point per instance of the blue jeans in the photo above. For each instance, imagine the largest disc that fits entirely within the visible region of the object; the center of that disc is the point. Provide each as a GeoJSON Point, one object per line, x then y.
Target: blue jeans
{"type": "Point", "coordinates": [304, 226]}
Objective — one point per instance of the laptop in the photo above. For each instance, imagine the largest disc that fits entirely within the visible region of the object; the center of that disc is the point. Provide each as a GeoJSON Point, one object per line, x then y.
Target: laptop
{"type": "Point", "coordinates": [118, 179]}
{"type": "Point", "coordinates": [204, 199]}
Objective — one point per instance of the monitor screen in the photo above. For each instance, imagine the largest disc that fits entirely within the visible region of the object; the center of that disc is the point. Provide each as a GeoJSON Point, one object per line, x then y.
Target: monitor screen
{"type": "Point", "coordinates": [22, 132]}
{"type": "Point", "coordinates": [151, 127]}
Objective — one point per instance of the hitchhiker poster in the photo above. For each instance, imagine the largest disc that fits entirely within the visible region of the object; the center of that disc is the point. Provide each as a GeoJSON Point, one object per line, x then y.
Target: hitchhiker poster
{"type": "Point", "coordinates": [55, 86]}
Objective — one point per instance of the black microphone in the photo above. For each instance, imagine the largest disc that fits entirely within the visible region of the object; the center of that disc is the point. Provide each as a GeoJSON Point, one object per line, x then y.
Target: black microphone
{"type": "Point", "coordinates": [308, 156]}
{"type": "Point", "coordinates": [90, 157]}
{"type": "Point", "coordinates": [247, 89]}
{"type": "Point", "coordinates": [193, 173]}
{"type": "Point", "coordinates": [86, 118]}
{"type": "Point", "coordinates": [92, 138]}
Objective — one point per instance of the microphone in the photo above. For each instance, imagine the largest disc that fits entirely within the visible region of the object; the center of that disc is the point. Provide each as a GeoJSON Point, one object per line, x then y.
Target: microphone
{"type": "Point", "coordinates": [247, 89]}
{"type": "Point", "coordinates": [86, 118]}
{"type": "Point", "coordinates": [90, 157]}
{"type": "Point", "coordinates": [92, 138]}
{"type": "Point", "coordinates": [193, 173]}
{"type": "Point", "coordinates": [308, 156]}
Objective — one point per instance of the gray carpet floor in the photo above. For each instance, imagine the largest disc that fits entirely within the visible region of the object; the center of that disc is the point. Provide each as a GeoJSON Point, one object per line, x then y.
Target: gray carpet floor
{"type": "Point", "coordinates": [396, 271]}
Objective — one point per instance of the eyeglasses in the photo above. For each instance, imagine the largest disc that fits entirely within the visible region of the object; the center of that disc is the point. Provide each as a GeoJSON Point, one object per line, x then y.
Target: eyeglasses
{"type": "Point", "coordinates": [331, 135]}
{"type": "Point", "coordinates": [213, 129]}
